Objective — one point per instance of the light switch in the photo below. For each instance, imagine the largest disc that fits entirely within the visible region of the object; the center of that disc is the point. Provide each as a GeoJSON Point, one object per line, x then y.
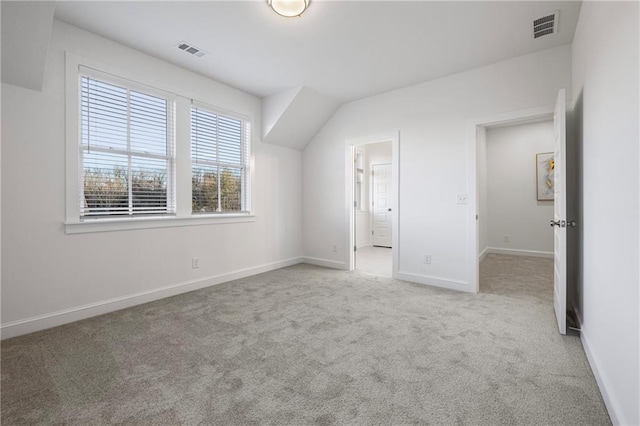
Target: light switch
{"type": "Point", "coordinates": [463, 198]}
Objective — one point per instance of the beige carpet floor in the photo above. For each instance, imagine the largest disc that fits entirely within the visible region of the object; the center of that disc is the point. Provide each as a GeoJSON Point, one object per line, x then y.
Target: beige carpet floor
{"type": "Point", "coordinates": [307, 345]}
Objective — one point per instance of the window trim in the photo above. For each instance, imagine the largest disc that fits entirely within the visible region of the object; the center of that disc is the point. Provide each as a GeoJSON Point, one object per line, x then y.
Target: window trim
{"type": "Point", "coordinates": [147, 222]}
{"type": "Point", "coordinates": [247, 169]}
{"type": "Point", "coordinates": [74, 224]}
{"type": "Point", "coordinates": [170, 158]}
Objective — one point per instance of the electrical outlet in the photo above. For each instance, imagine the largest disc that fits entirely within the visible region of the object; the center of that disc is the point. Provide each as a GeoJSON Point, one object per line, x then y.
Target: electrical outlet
{"type": "Point", "coordinates": [506, 238]}
{"type": "Point", "coordinates": [195, 263]}
{"type": "Point", "coordinates": [427, 259]}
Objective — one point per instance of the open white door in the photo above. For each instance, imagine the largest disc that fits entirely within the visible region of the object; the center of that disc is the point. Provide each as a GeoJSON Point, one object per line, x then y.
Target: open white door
{"type": "Point", "coordinates": [382, 202]}
{"type": "Point", "coordinates": [559, 222]}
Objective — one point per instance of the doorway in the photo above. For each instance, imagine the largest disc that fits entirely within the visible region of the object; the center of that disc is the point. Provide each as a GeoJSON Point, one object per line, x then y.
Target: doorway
{"type": "Point", "coordinates": [515, 242]}
{"type": "Point", "coordinates": [514, 211]}
{"type": "Point", "coordinates": [477, 131]}
{"type": "Point", "coordinates": [559, 222]}
{"type": "Point", "coordinates": [372, 204]}
{"type": "Point", "coordinates": [373, 192]}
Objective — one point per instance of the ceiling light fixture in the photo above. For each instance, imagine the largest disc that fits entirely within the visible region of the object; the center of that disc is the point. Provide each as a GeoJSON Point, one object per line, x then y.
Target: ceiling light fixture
{"type": "Point", "coordinates": [289, 8]}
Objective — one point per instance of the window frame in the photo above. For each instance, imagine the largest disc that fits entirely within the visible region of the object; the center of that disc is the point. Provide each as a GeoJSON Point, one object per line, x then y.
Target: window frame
{"type": "Point", "coordinates": [73, 223]}
{"type": "Point", "coordinates": [245, 152]}
{"type": "Point", "coordinates": [130, 153]}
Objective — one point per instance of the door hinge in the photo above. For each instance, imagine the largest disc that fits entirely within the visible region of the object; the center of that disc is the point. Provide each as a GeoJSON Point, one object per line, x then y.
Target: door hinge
{"type": "Point", "coordinates": [371, 232]}
{"type": "Point", "coordinates": [355, 248]}
{"type": "Point", "coordinates": [355, 204]}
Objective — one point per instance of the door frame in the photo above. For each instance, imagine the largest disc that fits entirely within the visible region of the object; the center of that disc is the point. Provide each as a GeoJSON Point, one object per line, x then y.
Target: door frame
{"type": "Point", "coordinates": [513, 118]}
{"type": "Point", "coordinates": [350, 217]}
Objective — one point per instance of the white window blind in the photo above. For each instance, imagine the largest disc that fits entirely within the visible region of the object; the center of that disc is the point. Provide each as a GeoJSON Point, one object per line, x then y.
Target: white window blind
{"type": "Point", "coordinates": [127, 152]}
{"type": "Point", "coordinates": [220, 152]}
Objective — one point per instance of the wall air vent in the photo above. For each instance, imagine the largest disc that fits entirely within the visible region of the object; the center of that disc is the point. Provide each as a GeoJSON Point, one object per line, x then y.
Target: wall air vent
{"type": "Point", "coordinates": [545, 25]}
{"type": "Point", "coordinates": [190, 48]}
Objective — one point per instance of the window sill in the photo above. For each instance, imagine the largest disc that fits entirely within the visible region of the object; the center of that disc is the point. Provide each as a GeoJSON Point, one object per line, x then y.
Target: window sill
{"type": "Point", "coordinates": [106, 225]}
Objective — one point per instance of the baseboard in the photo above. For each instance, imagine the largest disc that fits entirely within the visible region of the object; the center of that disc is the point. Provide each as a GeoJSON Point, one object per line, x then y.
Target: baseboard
{"type": "Point", "coordinates": [483, 254]}
{"type": "Point", "coordinates": [609, 399]}
{"type": "Point", "coordinates": [516, 252]}
{"type": "Point", "coordinates": [434, 281]}
{"type": "Point", "coordinates": [333, 264]}
{"type": "Point", "coordinates": [42, 322]}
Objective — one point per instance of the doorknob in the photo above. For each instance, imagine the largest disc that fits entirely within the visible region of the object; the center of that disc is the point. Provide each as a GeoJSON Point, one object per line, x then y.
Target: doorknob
{"type": "Point", "coordinates": [563, 224]}
{"type": "Point", "coordinates": [389, 210]}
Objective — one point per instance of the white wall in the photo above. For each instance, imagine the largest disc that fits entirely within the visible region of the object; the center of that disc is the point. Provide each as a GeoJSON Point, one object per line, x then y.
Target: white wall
{"type": "Point", "coordinates": [512, 204]}
{"type": "Point", "coordinates": [605, 96]}
{"type": "Point", "coordinates": [46, 271]}
{"type": "Point", "coordinates": [433, 120]}
{"type": "Point", "coordinates": [0, 185]}
{"type": "Point", "coordinates": [379, 152]}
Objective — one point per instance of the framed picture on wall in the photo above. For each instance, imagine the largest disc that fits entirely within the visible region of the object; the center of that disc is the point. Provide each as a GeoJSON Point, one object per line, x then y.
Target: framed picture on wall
{"type": "Point", "coordinates": [544, 176]}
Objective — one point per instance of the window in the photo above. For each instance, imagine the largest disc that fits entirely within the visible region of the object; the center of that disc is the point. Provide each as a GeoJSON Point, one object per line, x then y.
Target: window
{"type": "Point", "coordinates": [219, 162]}
{"type": "Point", "coordinates": [127, 149]}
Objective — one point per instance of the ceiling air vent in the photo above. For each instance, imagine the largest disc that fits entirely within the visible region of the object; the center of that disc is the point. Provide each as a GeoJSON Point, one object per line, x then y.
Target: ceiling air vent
{"type": "Point", "coordinates": [545, 25]}
{"type": "Point", "coordinates": [190, 48]}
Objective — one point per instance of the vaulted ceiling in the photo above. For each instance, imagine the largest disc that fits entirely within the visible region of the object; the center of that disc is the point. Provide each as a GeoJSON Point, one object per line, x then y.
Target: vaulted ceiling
{"type": "Point", "coordinates": [336, 52]}
{"type": "Point", "coordinates": [342, 49]}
